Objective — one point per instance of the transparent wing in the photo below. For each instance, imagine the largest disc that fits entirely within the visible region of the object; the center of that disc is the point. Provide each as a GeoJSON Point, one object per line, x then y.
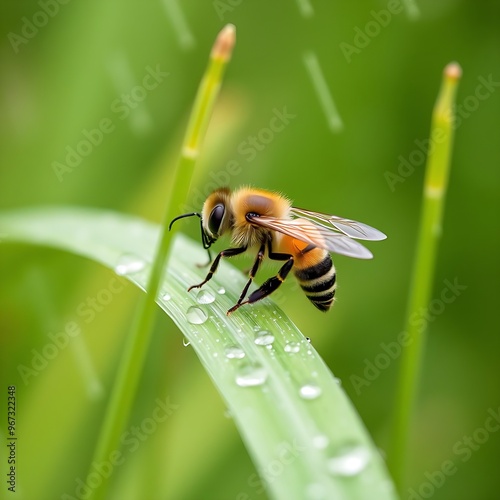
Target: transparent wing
{"type": "Point", "coordinates": [315, 234]}
{"type": "Point", "coordinates": [350, 228]}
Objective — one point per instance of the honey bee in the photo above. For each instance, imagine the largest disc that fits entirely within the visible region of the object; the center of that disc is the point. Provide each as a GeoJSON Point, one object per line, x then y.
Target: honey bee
{"type": "Point", "coordinates": [267, 222]}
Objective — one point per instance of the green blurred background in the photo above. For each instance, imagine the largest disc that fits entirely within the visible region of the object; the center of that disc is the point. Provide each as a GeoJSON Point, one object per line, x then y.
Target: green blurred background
{"type": "Point", "coordinates": [67, 75]}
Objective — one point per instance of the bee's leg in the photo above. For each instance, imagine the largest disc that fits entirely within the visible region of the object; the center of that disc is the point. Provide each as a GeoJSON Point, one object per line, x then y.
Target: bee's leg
{"type": "Point", "coordinates": [252, 273]}
{"type": "Point", "coordinates": [215, 264]}
{"type": "Point", "coordinates": [272, 283]}
{"type": "Point", "coordinates": [206, 244]}
{"type": "Point", "coordinates": [208, 261]}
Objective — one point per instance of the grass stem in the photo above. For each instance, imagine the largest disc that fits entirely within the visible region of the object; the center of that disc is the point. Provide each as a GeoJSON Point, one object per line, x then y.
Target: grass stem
{"type": "Point", "coordinates": [131, 364]}
{"type": "Point", "coordinates": [435, 186]}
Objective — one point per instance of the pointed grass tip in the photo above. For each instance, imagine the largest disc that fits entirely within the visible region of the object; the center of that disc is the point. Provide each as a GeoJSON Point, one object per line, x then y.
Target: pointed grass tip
{"type": "Point", "coordinates": [224, 43]}
{"type": "Point", "coordinates": [453, 70]}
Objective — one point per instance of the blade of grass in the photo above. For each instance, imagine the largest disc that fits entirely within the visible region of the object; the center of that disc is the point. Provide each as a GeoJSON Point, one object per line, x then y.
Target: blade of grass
{"type": "Point", "coordinates": [300, 429]}
{"type": "Point", "coordinates": [435, 186]}
{"type": "Point", "coordinates": [131, 364]}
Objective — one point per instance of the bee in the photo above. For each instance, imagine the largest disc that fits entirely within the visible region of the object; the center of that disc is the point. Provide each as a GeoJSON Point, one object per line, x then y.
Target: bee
{"type": "Point", "coordinates": [267, 222]}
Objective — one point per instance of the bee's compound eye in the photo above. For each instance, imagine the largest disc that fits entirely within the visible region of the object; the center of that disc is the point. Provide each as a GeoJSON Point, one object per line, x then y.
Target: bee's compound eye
{"type": "Point", "coordinates": [215, 219]}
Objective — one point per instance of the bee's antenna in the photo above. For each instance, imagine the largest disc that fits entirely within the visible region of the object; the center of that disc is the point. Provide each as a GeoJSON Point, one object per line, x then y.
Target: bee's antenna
{"type": "Point", "coordinates": [205, 239]}
{"type": "Point", "coordinates": [182, 217]}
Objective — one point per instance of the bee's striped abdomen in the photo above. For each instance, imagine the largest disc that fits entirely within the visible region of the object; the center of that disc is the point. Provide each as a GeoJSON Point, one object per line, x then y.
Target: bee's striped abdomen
{"type": "Point", "coordinates": [318, 282]}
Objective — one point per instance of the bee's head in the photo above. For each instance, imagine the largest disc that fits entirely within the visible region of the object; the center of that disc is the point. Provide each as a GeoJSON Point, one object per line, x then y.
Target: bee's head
{"type": "Point", "coordinates": [216, 218]}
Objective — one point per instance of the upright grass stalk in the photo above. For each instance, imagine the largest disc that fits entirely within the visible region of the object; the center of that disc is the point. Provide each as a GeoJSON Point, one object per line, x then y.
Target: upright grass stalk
{"type": "Point", "coordinates": [436, 182]}
{"type": "Point", "coordinates": [131, 364]}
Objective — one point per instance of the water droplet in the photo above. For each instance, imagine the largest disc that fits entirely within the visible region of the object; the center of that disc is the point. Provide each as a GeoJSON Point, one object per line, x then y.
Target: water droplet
{"type": "Point", "coordinates": [292, 347]}
{"type": "Point", "coordinates": [310, 391]}
{"type": "Point", "coordinates": [221, 290]}
{"type": "Point", "coordinates": [129, 264]}
{"type": "Point", "coordinates": [264, 338]}
{"type": "Point", "coordinates": [251, 376]}
{"type": "Point", "coordinates": [234, 352]}
{"type": "Point", "coordinates": [196, 316]}
{"type": "Point", "coordinates": [205, 297]}
{"type": "Point", "coordinates": [308, 339]}
{"type": "Point", "coordinates": [350, 461]}
{"type": "Point", "coordinates": [320, 441]}
{"type": "Point", "coordinates": [185, 342]}
{"type": "Point", "coordinates": [166, 297]}
{"type": "Point", "coordinates": [337, 380]}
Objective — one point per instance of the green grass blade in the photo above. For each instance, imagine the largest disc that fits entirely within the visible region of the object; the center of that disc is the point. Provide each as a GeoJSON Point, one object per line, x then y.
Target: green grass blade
{"type": "Point", "coordinates": [302, 432]}
{"type": "Point", "coordinates": [131, 364]}
{"type": "Point", "coordinates": [435, 185]}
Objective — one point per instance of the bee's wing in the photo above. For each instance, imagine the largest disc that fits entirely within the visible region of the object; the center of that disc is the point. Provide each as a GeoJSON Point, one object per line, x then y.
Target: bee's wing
{"type": "Point", "coordinates": [351, 228]}
{"type": "Point", "coordinates": [315, 234]}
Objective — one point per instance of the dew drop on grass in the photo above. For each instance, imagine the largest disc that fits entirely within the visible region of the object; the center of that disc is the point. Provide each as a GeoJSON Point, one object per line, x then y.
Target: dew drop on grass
{"type": "Point", "coordinates": [310, 391]}
{"type": "Point", "coordinates": [234, 352]}
{"type": "Point", "coordinates": [129, 264]}
{"type": "Point", "coordinates": [166, 297]}
{"type": "Point", "coordinates": [205, 297]}
{"type": "Point", "coordinates": [292, 347]}
{"type": "Point", "coordinates": [196, 316]}
{"type": "Point", "coordinates": [264, 337]}
{"type": "Point", "coordinates": [320, 441]}
{"type": "Point", "coordinates": [350, 461]}
{"type": "Point", "coordinates": [251, 376]}
{"type": "Point", "coordinates": [185, 342]}
{"type": "Point", "coordinates": [221, 290]}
